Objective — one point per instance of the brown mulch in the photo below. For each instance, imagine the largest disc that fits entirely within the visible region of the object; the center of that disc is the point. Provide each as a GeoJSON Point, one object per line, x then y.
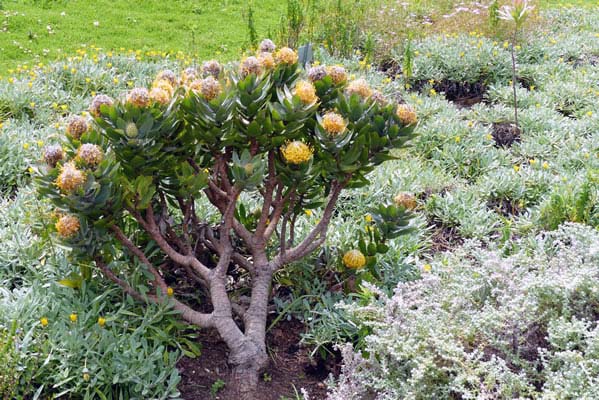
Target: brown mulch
{"type": "Point", "coordinates": [505, 134]}
{"type": "Point", "coordinates": [290, 367]}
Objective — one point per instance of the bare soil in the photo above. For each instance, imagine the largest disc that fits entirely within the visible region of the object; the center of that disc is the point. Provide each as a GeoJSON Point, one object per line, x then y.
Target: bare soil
{"type": "Point", "coordinates": [505, 133]}
{"type": "Point", "coordinates": [290, 367]}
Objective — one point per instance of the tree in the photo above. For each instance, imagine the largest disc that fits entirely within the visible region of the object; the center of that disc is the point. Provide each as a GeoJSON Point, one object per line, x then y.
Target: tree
{"type": "Point", "coordinates": [260, 137]}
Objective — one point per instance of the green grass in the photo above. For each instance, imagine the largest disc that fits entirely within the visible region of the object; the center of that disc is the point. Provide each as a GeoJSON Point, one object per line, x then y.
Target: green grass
{"type": "Point", "coordinates": [205, 27]}
{"type": "Point", "coordinates": [33, 31]}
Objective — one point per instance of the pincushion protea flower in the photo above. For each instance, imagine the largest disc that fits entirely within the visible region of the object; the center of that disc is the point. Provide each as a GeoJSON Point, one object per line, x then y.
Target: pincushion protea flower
{"type": "Point", "coordinates": [249, 66]}
{"type": "Point", "coordinates": [406, 114]}
{"type": "Point", "coordinates": [53, 154]}
{"type": "Point", "coordinates": [333, 123]}
{"type": "Point", "coordinates": [405, 200]}
{"type": "Point", "coordinates": [379, 98]}
{"type": "Point", "coordinates": [196, 86]}
{"type": "Point", "coordinates": [285, 55]}
{"type": "Point", "coordinates": [354, 259]}
{"type": "Point", "coordinates": [212, 67]}
{"type": "Point", "coordinates": [317, 73]}
{"type": "Point", "coordinates": [267, 46]}
{"type": "Point", "coordinates": [359, 87]}
{"type": "Point", "coordinates": [77, 126]}
{"type": "Point", "coordinates": [306, 92]}
{"type": "Point", "coordinates": [296, 152]}
{"type": "Point", "coordinates": [70, 178]}
{"type": "Point", "coordinates": [99, 101]}
{"type": "Point", "coordinates": [167, 75]}
{"type": "Point", "coordinates": [90, 154]}
{"type": "Point", "coordinates": [161, 96]}
{"type": "Point", "coordinates": [164, 85]}
{"type": "Point", "coordinates": [67, 226]}
{"type": "Point", "coordinates": [189, 75]}
{"type": "Point", "coordinates": [210, 88]}
{"type": "Point", "coordinates": [266, 60]}
{"type": "Point", "coordinates": [337, 74]}
{"type": "Point", "coordinates": [139, 97]}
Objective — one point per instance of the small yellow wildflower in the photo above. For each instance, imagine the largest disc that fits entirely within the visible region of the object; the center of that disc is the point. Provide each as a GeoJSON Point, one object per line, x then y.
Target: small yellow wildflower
{"type": "Point", "coordinates": [368, 218]}
{"type": "Point", "coordinates": [44, 322]}
{"type": "Point", "coordinates": [427, 268]}
{"type": "Point", "coordinates": [73, 317]}
{"type": "Point", "coordinates": [516, 168]}
{"type": "Point", "coordinates": [170, 292]}
{"type": "Point", "coordinates": [308, 212]}
{"type": "Point", "coordinates": [25, 146]}
{"type": "Point", "coordinates": [101, 322]}
{"type": "Point", "coordinates": [545, 165]}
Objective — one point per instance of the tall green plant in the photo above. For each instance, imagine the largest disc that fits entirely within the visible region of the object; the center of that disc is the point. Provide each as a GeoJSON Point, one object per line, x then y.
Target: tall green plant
{"type": "Point", "coordinates": [517, 13]}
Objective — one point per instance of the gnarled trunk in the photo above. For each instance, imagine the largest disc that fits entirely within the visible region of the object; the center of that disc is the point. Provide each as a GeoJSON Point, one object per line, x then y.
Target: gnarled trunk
{"type": "Point", "coordinates": [246, 372]}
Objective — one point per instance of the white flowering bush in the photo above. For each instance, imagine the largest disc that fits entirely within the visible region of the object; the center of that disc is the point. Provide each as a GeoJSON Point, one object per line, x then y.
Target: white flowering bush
{"type": "Point", "coordinates": [485, 325]}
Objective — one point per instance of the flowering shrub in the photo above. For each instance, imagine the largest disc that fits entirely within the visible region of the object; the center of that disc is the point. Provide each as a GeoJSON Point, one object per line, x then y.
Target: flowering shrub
{"type": "Point", "coordinates": [252, 135]}
{"type": "Point", "coordinates": [484, 325]}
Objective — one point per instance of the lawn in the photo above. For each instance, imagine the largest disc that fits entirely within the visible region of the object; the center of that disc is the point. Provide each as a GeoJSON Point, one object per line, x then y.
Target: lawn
{"type": "Point", "coordinates": [38, 31]}
{"type": "Point", "coordinates": [493, 294]}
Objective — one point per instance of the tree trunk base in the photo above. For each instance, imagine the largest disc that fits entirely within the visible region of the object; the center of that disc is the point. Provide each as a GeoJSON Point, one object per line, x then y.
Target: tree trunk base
{"type": "Point", "coordinates": [246, 376]}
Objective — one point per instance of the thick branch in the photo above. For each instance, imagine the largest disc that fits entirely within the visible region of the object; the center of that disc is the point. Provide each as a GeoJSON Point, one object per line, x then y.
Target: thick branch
{"type": "Point", "coordinates": [314, 238]}
{"type": "Point", "coordinates": [150, 226]}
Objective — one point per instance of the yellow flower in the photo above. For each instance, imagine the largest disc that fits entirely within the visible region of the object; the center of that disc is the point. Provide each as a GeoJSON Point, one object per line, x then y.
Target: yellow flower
{"type": "Point", "coordinates": [90, 154]}
{"type": "Point", "coordinates": [296, 152]}
{"type": "Point", "coordinates": [73, 317]}
{"type": "Point", "coordinates": [249, 66]}
{"type": "Point", "coordinates": [170, 291]}
{"type": "Point", "coordinates": [545, 165]}
{"type": "Point", "coordinates": [406, 114]}
{"type": "Point", "coordinates": [516, 168]}
{"type": "Point", "coordinates": [286, 55]}
{"type": "Point", "coordinates": [333, 123]}
{"type": "Point", "coordinates": [589, 113]}
{"type": "Point", "coordinates": [70, 178]}
{"type": "Point", "coordinates": [25, 146]}
{"type": "Point", "coordinates": [306, 92]}
{"type": "Point", "coordinates": [164, 85]}
{"type": "Point", "coordinates": [337, 74]}
{"type": "Point", "coordinates": [354, 259]}
{"type": "Point", "coordinates": [161, 96]}
{"type": "Point", "coordinates": [99, 101]}
{"type": "Point", "coordinates": [139, 97]}
{"type": "Point", "coordinates": [368, 218]}
{"type": "Point", "coordinates": [405, 200]}
{"type": "Point", "coordinates": [167, 75]}
{"type": "Point", "coordinates": [101, 322]}
{"type": "Point", "coordinates": [44, 321]}
{"type": "Point", "coordinates": [458, 139]}
{"type": "Point", "coordinates": [67, 226]}
{"type": "Point", "coordinates": [427, 268]}
{"type": "Point", "coordinates": [359, 87]}
{"type": "Point", "coordinates": [266, 60]}
{"type": "Point", "coordinates": [210, 88]}
{"type": "Point", "coordinates": [433, 92]}
{"type": "Point", "coordinates": [308, 212]}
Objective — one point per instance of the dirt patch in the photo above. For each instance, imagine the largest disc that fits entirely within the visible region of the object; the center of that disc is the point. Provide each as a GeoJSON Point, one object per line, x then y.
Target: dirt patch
{"type": "Point", "coordinates": [290, 367]}
{"type": "Point", "coordinates": [504, 207]}
{"type": "Point", "coordinates": [505, 133]}
{"type": "Point", "coordinates": [445, 238]}
{"type": "Point", "coordinates": [463, 94]}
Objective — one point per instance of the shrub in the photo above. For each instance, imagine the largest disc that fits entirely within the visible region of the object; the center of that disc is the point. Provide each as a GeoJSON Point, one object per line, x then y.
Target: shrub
{"type": "Point", "coordinates": [255, 138]}
{"type": "Point", "coordinates": [485, 325]}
